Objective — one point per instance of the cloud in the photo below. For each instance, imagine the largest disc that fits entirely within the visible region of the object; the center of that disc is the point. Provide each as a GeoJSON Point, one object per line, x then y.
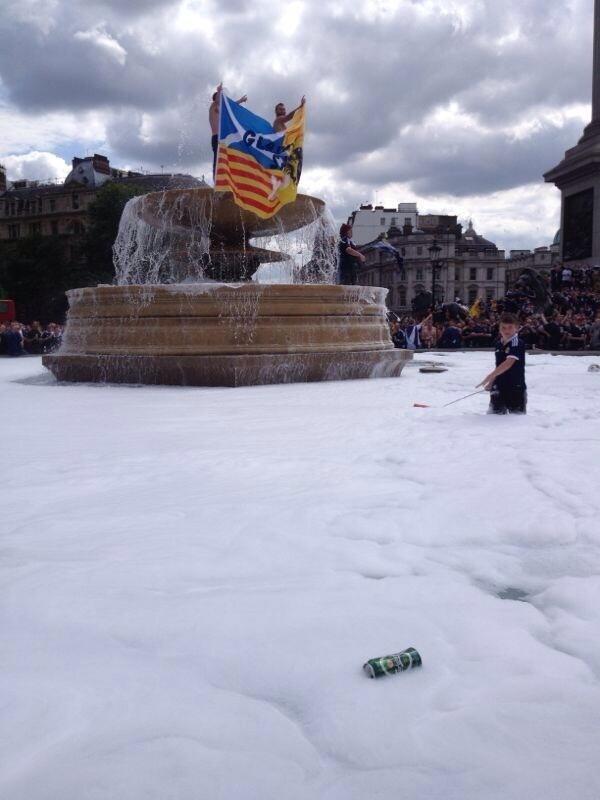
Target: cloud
{"type": "Point", "coordinates": [36, 165]}
{"type": "Point", "coordinates": [460, 99]}
{"type": "Point", "coordinates": [99, 37]}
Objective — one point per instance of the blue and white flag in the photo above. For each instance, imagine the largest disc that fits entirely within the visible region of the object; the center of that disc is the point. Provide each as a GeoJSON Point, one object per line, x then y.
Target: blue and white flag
{"type": "Point", "coordinates": [388, 248]}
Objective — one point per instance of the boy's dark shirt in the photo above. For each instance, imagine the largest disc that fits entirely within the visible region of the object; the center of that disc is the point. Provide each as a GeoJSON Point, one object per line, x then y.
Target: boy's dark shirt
{"type": "Point", "coordinates": [514, 378]}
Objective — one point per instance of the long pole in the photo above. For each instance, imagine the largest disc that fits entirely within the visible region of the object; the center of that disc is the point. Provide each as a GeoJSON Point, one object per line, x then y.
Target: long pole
{"type": "Point", "coordinates": [460, 399]}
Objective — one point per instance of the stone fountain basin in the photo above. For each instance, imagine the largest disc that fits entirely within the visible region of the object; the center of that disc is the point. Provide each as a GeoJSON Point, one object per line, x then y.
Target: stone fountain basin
{"type": "Point", "coordinates": [186, 209]}
{"type": "Point", "coordinates": [226, 334]}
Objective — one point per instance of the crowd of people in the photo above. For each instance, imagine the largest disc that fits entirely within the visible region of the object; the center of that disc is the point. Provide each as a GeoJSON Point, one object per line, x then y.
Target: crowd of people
{"type": "Point", "coordinates": [17, 339]}
{"type": "Point", "coordinates": [565, 317]}
{"type": "Point", "coordinates": [570, 319]}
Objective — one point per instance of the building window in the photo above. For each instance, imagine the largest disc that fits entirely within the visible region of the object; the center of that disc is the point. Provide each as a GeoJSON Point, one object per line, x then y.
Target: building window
{"type": "Point", "coordinates": [473, 294]}
{"type": "Point", "coordinates": [14, 231]}
{"type": "Point", "coordinates": [54, 227]}
{"type": "Point", "coordinates": [490, 273]}
{"type": "Point", "coordinates": [53, 204]}
{"type": "Point", "coordinates": [407, 221]}
{"type": "Point", "coordinates": [402, 296]}
{"type": "Point", "coordinates": [35, 228]}
{"type": "Point", "coordinates": [473, 274]}
{"type": "Point", "coordinates": [419, 251]}
{"type": "Point", "coordinates": [75, 200]}
{"type": "Point", "coordinates": [489, 295]}
{"type": "Point", "coordinates": [382, 221]}
{"type": "Point", "coordinates": [40, 209]}
{"type": "Point", "coordinates": [419, 275]}
{"type": "Point", "coordinates": [457, 274]}
{"type": "Point", "coordinates": [394, 221]}
{"type": "Point", "coordinates": [403, 251]}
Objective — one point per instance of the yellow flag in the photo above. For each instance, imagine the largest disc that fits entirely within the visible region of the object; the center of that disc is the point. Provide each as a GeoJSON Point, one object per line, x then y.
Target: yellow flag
{"type": "Point", "coordinates": [293, 145]}
{"type": "Point", "coordinates": [474, 310]}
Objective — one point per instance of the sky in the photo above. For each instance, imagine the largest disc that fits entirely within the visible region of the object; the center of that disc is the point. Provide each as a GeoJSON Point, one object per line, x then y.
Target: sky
{"type": "Point", "coordinates": [460, 106]}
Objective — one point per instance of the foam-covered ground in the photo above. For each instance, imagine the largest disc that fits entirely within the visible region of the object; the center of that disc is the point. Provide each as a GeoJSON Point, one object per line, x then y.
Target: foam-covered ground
{"type": "Point", "coordinates": [191, 580]}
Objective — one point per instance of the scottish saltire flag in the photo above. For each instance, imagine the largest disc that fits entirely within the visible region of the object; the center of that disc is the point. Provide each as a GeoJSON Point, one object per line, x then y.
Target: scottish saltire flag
{"type": "Point", "coordinates": [259, 167]}
{"type": "Point", "coordinates": [388, 248]}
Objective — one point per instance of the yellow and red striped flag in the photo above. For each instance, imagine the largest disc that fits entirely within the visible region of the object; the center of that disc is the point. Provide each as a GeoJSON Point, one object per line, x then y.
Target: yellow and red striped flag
{"type": "Point", "coordinates": [260, 167]}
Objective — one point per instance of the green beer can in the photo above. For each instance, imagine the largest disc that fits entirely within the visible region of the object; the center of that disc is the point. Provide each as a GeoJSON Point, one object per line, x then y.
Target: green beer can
{"type": "Point", "coordinates": [390, 665]}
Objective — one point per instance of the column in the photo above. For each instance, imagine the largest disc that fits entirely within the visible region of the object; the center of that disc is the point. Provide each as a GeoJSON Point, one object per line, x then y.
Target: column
{"type": "Point", "coordinates": [596, 77]}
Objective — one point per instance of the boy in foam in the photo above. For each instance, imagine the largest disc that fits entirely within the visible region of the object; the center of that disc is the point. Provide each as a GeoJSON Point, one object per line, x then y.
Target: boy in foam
{"type": "Point", "coordinates": [507, 382]}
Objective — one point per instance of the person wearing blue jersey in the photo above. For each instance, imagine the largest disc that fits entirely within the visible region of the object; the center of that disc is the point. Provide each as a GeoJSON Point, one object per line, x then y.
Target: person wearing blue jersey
{"type": "Point", "coordinates": [506, 384]}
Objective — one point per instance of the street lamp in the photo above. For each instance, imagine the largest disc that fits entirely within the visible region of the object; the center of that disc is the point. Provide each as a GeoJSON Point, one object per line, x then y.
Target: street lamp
{"type": "Point", "coordinates": [436, 265]}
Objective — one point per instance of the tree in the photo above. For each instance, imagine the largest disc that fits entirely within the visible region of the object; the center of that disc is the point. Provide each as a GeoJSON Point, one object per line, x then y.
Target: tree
{"type": "Point", "coordinates": [104, 216]}
{"type": "Point", "coordinates": [35, 272]}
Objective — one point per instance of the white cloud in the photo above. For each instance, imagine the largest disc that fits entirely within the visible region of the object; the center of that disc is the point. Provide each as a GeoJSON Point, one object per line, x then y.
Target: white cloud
{"type": "Point", "coordinates": [459, 104]}
{"type": "Point", "coordinates": [36, 165]}
{"type": "Point", "coordinates": [21, 132]}
{"type": "Point", "coordinates": [100, 38]}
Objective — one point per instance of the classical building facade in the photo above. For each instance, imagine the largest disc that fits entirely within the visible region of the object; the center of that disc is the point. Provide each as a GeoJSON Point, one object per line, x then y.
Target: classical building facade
{"type": "Point", "coordinates": [540, 260]}
{"type": "Point", "coordinates": [369, 222]}
{"type": "Point", "coordinates": [468, 266]}
{"type": "Point", "coordinates": [30, 208]}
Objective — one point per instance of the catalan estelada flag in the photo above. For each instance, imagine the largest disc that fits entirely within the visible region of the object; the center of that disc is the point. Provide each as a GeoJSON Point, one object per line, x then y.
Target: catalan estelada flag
{"type": "Point", "coordinates": [260, 167]}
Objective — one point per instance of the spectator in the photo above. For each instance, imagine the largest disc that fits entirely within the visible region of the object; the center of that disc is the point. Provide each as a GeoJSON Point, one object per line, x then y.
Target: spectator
{"type": "Point", "coordinates": [31, 337]}
{"type": "Point", "coordinates": [451, 338]}
{"type": "Point", "coordinates": [595, 334]}
{"type": "Point", "coordinates": [428, 334]}
{"type": "Point", "coordinates": [566, 278]}
{"type": "Point", "coordinates": [398, 337]}
{"type": "Point", "coordinates": [13, 338]}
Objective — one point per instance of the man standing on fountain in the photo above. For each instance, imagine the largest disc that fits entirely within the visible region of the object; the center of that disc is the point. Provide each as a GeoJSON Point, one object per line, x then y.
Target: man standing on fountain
{"type": "Point", "coordinates": [282, 117]}
{"type": "Point", "coordinates": [213, 118]}
{"type": "Point", "coordinates": [349, 257]}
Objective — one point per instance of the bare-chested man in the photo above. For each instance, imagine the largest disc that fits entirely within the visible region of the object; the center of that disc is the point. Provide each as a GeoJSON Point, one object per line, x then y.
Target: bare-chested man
{"type": "Point", "coordinates": [213, 118]}
{"type": "Point", "coordinates": [282, 117]}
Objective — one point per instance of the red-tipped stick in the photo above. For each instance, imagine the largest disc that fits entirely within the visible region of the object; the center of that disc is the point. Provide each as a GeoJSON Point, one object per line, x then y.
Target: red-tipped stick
{"type": "Point", "coordinates": [460, 399]}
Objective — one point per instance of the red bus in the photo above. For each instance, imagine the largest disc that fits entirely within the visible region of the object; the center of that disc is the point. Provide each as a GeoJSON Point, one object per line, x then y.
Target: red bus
{"type": "Point", "coordinates": [7, 310]}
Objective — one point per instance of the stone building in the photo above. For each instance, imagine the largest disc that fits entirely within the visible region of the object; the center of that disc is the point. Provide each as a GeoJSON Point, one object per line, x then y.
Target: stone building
{"type": "Point", "coordinates": [468, 265]}
{"type": "Point", "coordinates": [29, 208]}
{"type": "Point", "coordinates": [370, 221]}
{"type": "Point", "coordinates": [540, 260]}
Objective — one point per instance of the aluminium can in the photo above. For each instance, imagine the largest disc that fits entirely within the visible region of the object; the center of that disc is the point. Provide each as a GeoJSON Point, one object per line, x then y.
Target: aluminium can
{"type": "Point", "coordinates": [390, 665]}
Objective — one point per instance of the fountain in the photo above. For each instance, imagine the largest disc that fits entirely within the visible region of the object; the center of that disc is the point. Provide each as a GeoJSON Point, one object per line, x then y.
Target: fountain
{"type": "Point", "coordinates": [186, 311]}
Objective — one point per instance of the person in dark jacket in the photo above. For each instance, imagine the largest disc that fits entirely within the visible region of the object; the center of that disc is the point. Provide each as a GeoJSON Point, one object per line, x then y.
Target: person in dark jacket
{"type": "Point", "coordinates": [13, 340]}
{"type": "Point", "coordinates": [451, 338]}
{"type": "Point", "coordinates": [349, 257]}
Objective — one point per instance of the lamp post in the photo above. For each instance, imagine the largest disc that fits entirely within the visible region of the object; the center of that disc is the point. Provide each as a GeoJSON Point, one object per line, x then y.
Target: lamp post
{"type": "Point", "coordinates": [436, 265]}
